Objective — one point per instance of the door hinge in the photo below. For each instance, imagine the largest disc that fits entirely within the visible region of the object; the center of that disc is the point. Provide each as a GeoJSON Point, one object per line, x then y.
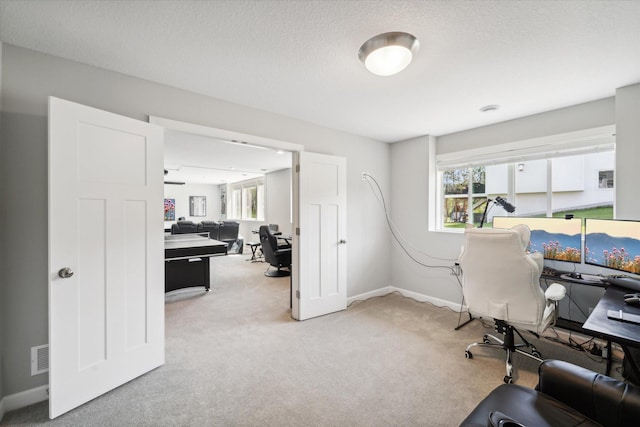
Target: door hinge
{"type": "Point", "coordinates": [297, 168]}
{"type": "Point", "coordinates": [298, 294]}
{"type": "Point", "coordinates": [297, 231]}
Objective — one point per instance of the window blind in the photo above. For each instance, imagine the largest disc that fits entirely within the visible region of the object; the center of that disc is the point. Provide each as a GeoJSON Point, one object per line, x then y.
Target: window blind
{"type": "Point", "coordinates": [570, 144]}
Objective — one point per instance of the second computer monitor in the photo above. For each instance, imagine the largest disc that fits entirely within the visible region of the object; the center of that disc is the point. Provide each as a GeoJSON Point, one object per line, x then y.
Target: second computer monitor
{"type": "Point", "coordinates": [613, 244]}
{"type": "Point", "coordinates": [556, 238]}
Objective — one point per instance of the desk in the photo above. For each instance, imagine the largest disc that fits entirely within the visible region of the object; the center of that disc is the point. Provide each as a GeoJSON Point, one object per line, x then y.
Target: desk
{"type": "Point", "coordinates": [582, 297]}
{"type": "Point", "coordinates": [287, 240]}
{"type": "Point", "coordinates": [624, 333]}
{"type": "Point", "coordinates": [186, 259]}
{"type": "Point", "coordinates": [587, 279]}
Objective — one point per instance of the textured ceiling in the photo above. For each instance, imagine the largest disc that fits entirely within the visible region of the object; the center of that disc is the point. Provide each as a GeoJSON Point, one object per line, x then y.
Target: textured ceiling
{"type": "Point", "coordinates": [299, 58]}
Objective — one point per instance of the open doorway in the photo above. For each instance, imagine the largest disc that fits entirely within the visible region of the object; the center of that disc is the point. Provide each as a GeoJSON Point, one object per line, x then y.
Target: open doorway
{"type": "Point", "coordinates": [318, 212]}
{"type": "Point", "coordinates": [209, 179]}
{"type": "Point", "coordinates": [237, 178]}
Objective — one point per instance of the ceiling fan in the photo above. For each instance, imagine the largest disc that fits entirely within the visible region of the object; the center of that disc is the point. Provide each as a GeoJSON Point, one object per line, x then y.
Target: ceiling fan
{"type": "Point", "coordinates": [172, 182]}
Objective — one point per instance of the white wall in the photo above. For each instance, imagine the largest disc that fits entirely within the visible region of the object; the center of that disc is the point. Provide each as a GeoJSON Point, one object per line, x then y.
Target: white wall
{"type": "Point", "coordinates": [181, 195]}
{"type": "Point", "coordinates": [583, 116]}
{"type": "Point", "coordinates": [410, 165]}
{"type": "Point", "coordinates": [278, 200]}
{"type": "Point", "coordinates": [28, 78]}
{"type": "Point", "coordinates": [2, 155]}
{"type": "Point", "coordinates": [627, 152]}
{"type": "Point", "coordinates": [409, 204]}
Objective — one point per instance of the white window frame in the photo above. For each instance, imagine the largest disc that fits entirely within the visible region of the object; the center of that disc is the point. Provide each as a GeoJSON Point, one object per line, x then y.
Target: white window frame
{"type": "Point", "coordinates": [569, 144]}
{"type": "Point", "coordinates": [239, 190]}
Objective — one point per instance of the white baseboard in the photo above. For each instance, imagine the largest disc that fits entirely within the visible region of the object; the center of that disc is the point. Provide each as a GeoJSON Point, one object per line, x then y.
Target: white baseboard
{"type": "Point", "coordinates": [425, 298]}
{"type": "Point", "coordinates": [367, 295]}
{"type": "Point", "coordinates": [409, 294]}
{"type": "Point", "coordinates": [24, 398]}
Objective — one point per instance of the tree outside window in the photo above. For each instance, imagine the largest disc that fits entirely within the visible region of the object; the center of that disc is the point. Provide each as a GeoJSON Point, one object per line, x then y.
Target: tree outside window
{"type": "Point", "coordinates": [457, 195]}
{"type": "Point", "coordinates": [456, 181]}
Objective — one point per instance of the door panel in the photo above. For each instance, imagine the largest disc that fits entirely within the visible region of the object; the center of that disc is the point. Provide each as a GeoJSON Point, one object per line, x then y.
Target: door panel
{"type": "Point", "coordinates": [106, 321]}
{"type": "Point", "coordinates": [102, 148]}
{"type": "Point", "coordinates": [135, 320]}
{"type": "Point", "coordinates": [322, 254]}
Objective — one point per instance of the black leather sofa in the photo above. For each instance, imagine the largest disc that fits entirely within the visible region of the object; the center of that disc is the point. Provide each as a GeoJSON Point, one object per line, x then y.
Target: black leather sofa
{"type": "Point", "coordinates": [566, 395]}
{"type": "Point", "coordinates": [211, 227]}
{"type": "Point", "coordinates": [184, 227]}
{"type": "Point", "coordinates": [224, 231]}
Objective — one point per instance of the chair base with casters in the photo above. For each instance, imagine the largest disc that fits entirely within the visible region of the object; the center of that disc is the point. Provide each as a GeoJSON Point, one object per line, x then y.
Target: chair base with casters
{"type": "Point", "coordinates": [501, 281]}
{"type": "Point", "coordinates": [508, 344]}
{"type": "Point", "coordinates": [277, 273]}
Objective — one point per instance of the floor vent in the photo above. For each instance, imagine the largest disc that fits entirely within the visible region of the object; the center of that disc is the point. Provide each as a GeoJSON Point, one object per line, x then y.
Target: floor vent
{"type": "Point", "coordinates": [39, 359]}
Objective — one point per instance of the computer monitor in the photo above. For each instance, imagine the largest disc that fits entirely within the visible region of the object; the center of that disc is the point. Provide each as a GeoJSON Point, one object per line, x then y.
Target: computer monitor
{"type": "Point", "coordinates": [557, 239]}
{"type": "Point", "coordinates": [613, 244]}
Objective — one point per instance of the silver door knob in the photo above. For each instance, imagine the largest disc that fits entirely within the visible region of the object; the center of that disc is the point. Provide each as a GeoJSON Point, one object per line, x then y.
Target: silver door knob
{"type": "Point", "coordinates": [65, 273]}
{"type": "Point", "coordinates": [342, 242]}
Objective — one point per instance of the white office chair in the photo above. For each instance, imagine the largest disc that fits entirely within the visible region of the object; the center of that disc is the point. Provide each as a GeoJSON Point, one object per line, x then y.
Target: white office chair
{"type": "Point", "coordinates": [501, 281]}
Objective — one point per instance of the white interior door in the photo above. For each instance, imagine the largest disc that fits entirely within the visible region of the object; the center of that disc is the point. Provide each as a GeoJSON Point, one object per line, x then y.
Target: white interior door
{"type": "Point", "coordinates": [106, 321]}
{"type": "Point", "coordinates": [320, 281]}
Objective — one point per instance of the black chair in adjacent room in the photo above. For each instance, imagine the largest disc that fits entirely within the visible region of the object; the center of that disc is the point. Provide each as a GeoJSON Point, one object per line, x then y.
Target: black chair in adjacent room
{"type": "Point", "coordinates": [230, 234]}
{"type": "Point", "coordinates": [211, 227]}
{"type": "Point", "coordinates": [184, 227]}
{"type": "Point", "coordinates": [275, 256]}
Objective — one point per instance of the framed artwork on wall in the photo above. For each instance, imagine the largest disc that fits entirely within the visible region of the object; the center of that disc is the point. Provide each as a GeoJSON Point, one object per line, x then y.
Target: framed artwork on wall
{"type": "Point", "coordinates": [197, 205]}
{"type": "Point", "coordinates": [169, 209]}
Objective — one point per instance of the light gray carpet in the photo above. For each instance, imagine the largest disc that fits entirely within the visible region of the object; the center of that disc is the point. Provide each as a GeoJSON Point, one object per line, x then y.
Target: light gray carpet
{"type": "Point", "coordinates": [234, 357]}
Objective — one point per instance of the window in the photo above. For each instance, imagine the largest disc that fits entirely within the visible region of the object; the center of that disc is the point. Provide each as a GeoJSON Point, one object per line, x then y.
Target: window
{"type": "Point", "coordinates": [460, 187]}
{"type": "Point", "coordinates": [546, 180]}
{"type": "Point", "coordinates": [605, 179]}
{"type": "Point", "coordinates": [247, 200]}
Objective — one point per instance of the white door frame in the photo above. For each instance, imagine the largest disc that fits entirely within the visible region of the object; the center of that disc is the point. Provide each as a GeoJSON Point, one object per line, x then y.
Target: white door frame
{"type": "Point", "coordinates": [227, 135]}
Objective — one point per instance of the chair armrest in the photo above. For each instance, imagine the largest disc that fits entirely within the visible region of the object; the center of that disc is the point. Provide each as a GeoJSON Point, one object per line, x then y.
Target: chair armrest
{"type": "Point", "coordinates": [555, 292]}
{"type": "Point", "coordinates": [603, 399]}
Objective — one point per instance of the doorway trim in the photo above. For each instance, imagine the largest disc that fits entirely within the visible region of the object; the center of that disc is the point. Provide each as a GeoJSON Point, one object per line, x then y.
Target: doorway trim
{"type": "Point", "coordinates": [243, 138]}
{"type": "Point", "coordinates": [225, 135]}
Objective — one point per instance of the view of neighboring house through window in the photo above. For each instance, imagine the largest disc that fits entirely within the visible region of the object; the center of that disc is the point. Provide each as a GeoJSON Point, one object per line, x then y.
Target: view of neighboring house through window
{"type": "Point", "coordinates": [553, 184]}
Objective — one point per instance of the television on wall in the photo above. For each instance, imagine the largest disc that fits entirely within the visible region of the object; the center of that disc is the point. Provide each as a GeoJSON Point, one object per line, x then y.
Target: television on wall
{"type": "Point", "coordinates": [613, 244]}
{"type": "Point", "coordinates": [556, 239]}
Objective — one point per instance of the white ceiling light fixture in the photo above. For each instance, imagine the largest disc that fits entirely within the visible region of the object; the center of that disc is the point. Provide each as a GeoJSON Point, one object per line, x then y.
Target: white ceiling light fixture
{"type": "Point", "coordinates": [388, 53]}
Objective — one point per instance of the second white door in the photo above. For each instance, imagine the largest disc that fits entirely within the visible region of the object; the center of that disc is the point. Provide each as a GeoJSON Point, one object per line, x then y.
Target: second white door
{"type": "Point", "coordinates": [320, 282]}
